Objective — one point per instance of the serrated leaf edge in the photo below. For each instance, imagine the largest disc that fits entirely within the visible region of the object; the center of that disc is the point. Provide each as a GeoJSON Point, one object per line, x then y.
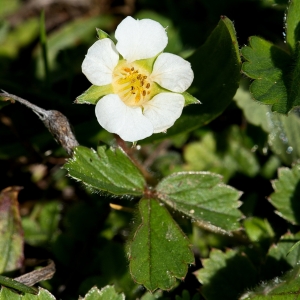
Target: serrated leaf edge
{"type": "Point", "coordinates": [73, 160]}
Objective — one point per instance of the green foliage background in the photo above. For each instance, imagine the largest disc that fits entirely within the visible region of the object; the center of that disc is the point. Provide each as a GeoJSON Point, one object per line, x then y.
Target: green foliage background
{"type": "Point", "coordinates": [238, 160]}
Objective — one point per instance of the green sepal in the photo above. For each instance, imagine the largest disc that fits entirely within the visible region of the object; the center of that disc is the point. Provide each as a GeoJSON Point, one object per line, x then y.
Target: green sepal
{"type": "Point", "coordinates": [189, 99]}
{"type": "Point", "coordinates": [94, 94]}
{"type": "Point", "coordinates": [102, 34]}
{"type": "Point", "coordinates": [148, 63]}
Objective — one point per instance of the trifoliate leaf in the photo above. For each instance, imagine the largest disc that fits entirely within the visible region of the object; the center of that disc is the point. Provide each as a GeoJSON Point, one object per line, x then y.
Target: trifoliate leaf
{"type": "Point", "coordinates": [270, 67]}
{"type": "Point", "coordinates": [11, 241]}
{"type": "Point", "coordinates": [226, 275]}
{"type": "Point", "coordinates": [159, 251]}
{"type": "Point", "coordinates": [109, 170]}
{"type": "Point", "coordinates": [287, 194]}
{"type": "Point", "coordinates": [106, 293]}
{"type": "Point", "coordinates": [285, 287]}
{"type": "Point", "coordinates": [203, 197]}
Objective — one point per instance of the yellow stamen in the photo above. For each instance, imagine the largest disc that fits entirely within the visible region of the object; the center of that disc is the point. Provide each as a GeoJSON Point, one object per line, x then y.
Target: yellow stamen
{"type": "Point", "coordinates": [130, 83]}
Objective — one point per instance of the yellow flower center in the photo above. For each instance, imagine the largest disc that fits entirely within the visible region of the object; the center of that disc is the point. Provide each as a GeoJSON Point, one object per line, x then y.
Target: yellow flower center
{"type": "Point", "coordinates": [132, 84]}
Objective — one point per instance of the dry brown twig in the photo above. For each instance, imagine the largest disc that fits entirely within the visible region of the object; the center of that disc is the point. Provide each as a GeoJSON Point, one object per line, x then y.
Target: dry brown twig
{"type": "Point", "coordinates": [55, 121]}
{"type": "Point", "coordinates": [36, 276]}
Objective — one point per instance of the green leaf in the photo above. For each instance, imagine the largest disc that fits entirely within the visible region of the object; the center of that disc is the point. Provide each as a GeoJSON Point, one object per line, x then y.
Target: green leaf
{"type": "Point", "coordinates": [109, 170]}
{"type": "Point", "coordinates": [203, 197]}
{"type": "Point", "coordinates": [106, 293]}
{"type": "Point", "coordinates": [153, 296]}
{"type": "Point", "coordinates": [17, 286]}
{"type": "Point", "coordinates": [19, 37]}
{"type": "Point", "coordinates": [258, 229]}
{"type": "Point", "coordinates": [159, 251]}
{"type": "Point", "coordinates": [285, 287]}
{"type": "Point", "coordinates": [6, 294]}
{"type": "Point", "coordinates": [70, 35]}
{"type": "Point", "coordinates": [41, 226]}
{"type": "Point", "coordinates": [294, 247]}
{"type": "Point", "coordinates": [43, 44]}
{"type": "Point", "coordinates": [186, 296]}
{"type": "Point", "coordinates": [225, 275]}
{"type": "Point", "coordinates": [203, 156]}
{"type": "Point", "coordinates": [287, 194]}
{"type": "Point", "coordinates": [292, 24]}
{"type": "Point", "coordinates": [94, 93]}
{"type": "Point", "coordinates": [254, 112]}
{"type": "Point", "coordinates": [233, 156]}
{"type": "Point", "coordinates": [216, 66]}
{"type": "Point", "coordinates": [270, 67]}
{"type": "Point", "coordinates": [8, 7]}
{"type": "Point", "coordinates": [283, 137]}
{"type": "Point", "coordinates": [279, 260]}
{"type": "Point", "coordinates": [11, 242]}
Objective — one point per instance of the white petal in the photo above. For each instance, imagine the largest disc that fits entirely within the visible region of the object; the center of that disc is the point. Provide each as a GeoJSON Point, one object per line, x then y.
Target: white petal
{"type": "Point", "coordinates": [172, 72]}
{"type": "Point", "coordinates": [163, 110]}
{"type": "Point", "coordinates": [100, 61]}
{"type": "Point", "coordinates": [126, 121]}
{"type": "Point", "coordinates": [140, 39]}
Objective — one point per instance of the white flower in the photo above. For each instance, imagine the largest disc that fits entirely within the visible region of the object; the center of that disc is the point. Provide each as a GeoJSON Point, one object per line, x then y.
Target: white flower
{"type": "Point", "coordinates": [146, 85]}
